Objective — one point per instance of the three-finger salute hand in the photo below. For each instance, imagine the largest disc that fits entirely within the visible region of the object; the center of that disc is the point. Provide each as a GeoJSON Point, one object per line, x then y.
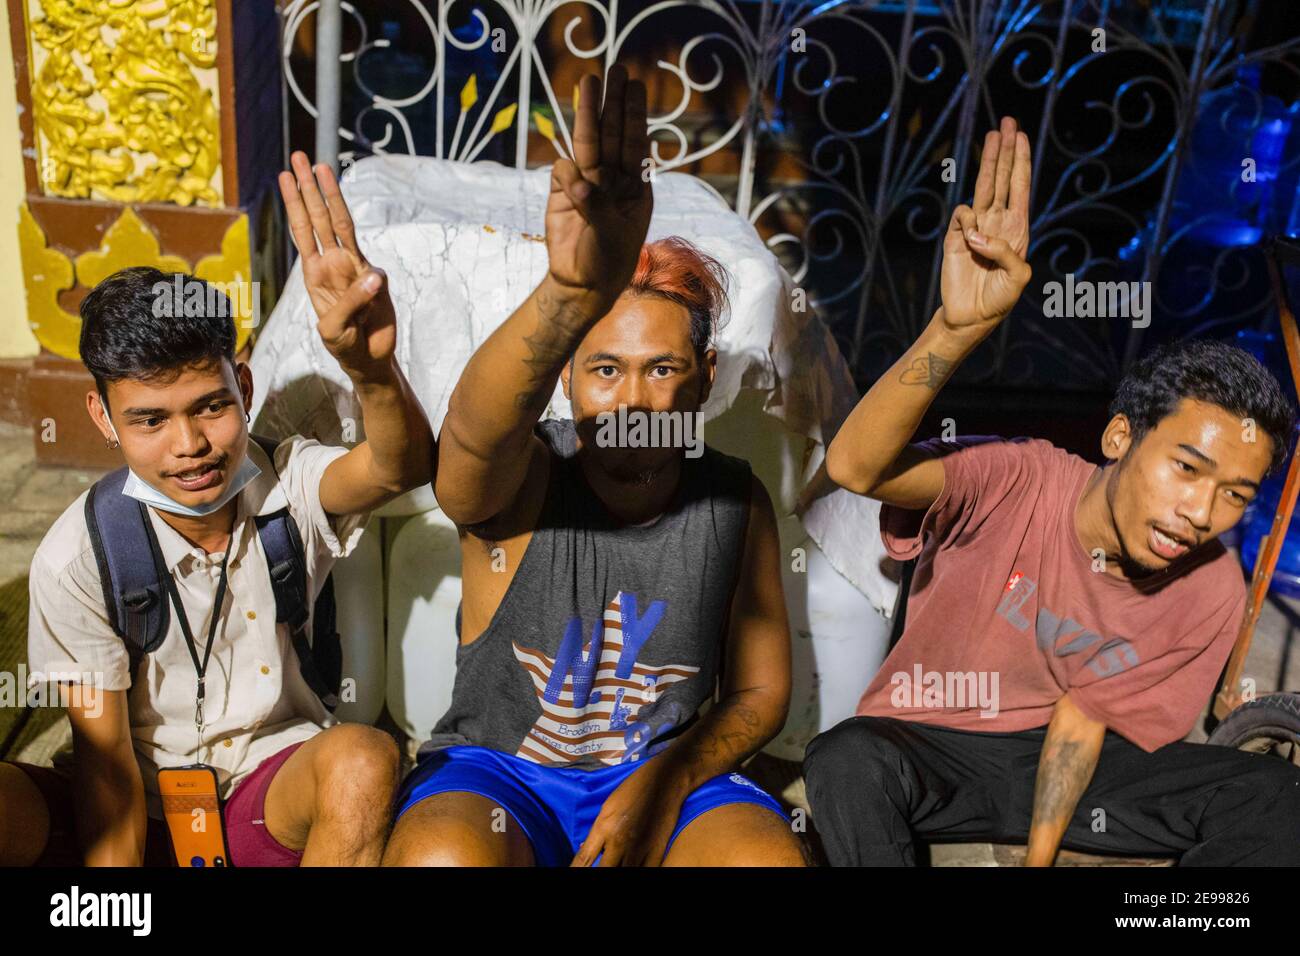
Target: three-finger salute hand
{"type": "Point", "coordinates": [355, 312]}
{"type": "Point", "coordinates": [984, 266]}
{"type": "Point", "coordinates": [599, 207]}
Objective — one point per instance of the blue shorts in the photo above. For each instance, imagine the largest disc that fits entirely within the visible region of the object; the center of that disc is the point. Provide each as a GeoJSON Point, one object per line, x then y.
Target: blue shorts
{"type": "Point", "coordinates": [556, 806]}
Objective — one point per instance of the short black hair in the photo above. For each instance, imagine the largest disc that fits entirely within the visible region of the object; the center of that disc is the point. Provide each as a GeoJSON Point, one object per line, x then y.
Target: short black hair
{"type": "Point", "coordinates": [1208, 371]}
{"type": "Point", "coordinates": [142, 323]}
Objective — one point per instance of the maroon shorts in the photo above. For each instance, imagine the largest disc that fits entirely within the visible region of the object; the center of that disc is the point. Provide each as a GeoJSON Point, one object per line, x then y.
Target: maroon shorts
{"type": "Point", "coordinates": [243, 816]}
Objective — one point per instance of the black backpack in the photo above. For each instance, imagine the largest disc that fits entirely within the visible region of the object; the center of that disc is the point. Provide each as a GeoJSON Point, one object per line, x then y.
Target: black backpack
{"type": "Point", "coordinates": [134, 580]}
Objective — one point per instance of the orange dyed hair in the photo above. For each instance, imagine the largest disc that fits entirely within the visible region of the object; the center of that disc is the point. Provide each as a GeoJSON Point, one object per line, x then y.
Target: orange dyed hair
{"type": "Point", "coordinates": [673, 268]}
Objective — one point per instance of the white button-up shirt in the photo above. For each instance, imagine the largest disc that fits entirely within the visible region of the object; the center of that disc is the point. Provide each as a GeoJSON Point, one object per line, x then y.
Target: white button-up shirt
{"type": "Point", "coordinates": [256, 701]}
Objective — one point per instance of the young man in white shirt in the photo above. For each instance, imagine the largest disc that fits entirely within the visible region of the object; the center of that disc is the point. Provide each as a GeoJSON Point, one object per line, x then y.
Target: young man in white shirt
{"type": "Point", "coordinates": [297, 786]}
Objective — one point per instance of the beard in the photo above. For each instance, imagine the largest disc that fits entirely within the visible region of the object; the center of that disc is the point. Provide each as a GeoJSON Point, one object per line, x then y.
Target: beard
{"type": "Point", "coordinates": [1135, 569]}
{"type": "Point", "coordinates": [630, 473]}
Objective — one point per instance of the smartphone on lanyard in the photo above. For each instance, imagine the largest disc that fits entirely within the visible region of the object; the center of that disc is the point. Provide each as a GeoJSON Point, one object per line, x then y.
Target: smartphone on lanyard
{"type": "Point", "coordinates": [192, 809]}
{"type": "Point", "coordinates": [190, 795]}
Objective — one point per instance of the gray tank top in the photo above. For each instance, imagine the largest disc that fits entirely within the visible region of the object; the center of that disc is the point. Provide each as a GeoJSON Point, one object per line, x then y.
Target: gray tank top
{"type": "Point", "coordinates": [609, 637]}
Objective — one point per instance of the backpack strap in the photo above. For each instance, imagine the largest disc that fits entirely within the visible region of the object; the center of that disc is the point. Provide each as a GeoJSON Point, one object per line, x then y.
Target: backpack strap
{"type": "Point", "coordinates": [132, 573]}
{"type": "Point", "coordinates": [133, 576]}
{"type": "Point", "coordinates": [320, 660]}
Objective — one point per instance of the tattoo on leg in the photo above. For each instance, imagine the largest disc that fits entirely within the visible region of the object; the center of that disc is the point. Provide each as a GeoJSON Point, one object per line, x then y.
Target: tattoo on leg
{"type": "Point", "coordinates": [930, 371]}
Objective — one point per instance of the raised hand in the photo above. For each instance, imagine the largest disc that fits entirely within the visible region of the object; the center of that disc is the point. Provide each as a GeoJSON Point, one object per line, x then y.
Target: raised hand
{"type": "Point", "coordinates": [356, 318]}
{"type": "Point", "coordinates": [984, 268]}
{"type": "Point", "coordinates": [599, 208]}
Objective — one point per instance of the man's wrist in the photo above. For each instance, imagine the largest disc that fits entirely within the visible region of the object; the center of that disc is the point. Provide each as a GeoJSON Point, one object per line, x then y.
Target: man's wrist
{"type": "Point", "coordinates": [570, 305]}
{"type": "Point", "coordinates": [673, 771]}
{"type": "Point", "coordinates": [954, 343]}
{"type": "Point", "coordinates": [381, 378]}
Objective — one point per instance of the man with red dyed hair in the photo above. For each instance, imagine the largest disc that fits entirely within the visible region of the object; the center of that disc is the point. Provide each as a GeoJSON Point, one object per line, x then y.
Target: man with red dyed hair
{"type": "Point", "coordinates": [613, 584]}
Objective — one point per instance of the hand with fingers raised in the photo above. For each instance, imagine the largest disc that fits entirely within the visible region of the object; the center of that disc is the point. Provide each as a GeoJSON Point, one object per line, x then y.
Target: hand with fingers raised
{"type": "Point", "coordinates": [355, 314]}
{"type": "Point", "coordinates": [599, 207]}
{"type": "Point", "coordinates": [984, 268]}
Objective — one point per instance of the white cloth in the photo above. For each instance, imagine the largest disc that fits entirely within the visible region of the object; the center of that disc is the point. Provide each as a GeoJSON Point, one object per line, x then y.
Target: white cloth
{"type": "Point", "coordinates": [462, 244]}
{"type": "Point", "coordinates": [256, 701]}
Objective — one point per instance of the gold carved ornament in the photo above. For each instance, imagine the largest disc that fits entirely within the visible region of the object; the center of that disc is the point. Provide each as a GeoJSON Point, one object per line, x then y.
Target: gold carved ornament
{"type": "Point", "coordinates": [47, 272]}
{"type": "Point", "coordinates": [157, 137]}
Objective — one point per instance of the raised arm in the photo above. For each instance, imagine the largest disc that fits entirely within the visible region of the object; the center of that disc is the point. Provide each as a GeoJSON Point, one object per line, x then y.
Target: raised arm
{"type": "Point", "coordinates": [984, 272]}
{"type": "Point", "coordinates": [359, 328]}
{"type": "Point", "coordinates": [108, 792]}
{"type": "Point", "coordinates": [597, 216]}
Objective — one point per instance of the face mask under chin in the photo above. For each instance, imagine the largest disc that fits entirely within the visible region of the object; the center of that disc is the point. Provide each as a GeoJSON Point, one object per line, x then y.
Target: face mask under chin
{"type": "Point", "coordinates": [139, 489]}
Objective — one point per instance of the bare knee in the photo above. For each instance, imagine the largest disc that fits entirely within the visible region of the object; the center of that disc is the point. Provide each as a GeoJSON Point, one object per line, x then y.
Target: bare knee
{"type": "Point", "coordinates": [740, 834]}
{"type": "Point", "coordinates": [457, 829]}
{"type": "Point", "coordinates": [357, 761]}
{"type": "Point", "coordinates": [24, 818]}
{"type": "Point", "coordinates": [780, 847]}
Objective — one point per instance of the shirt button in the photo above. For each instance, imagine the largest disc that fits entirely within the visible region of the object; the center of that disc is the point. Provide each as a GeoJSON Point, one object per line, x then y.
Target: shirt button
{"type": "Point", "coordinates": [227, 742]}
{"type": "Point", "coordinates": [265, 669]}
{"type": "Point", "coordinates": [252, 615]}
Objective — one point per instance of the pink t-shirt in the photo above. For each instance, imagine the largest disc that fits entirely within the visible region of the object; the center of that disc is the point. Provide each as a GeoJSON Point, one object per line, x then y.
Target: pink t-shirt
{"type": "Point", "coordinates": [1006, 612]}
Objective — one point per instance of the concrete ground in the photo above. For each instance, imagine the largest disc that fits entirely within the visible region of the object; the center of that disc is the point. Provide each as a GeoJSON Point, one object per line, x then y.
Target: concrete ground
{"type": "Point", "coordinates": [36, 496]}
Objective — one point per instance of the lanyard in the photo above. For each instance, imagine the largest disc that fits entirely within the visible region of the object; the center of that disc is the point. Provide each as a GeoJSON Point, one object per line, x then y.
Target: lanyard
{"type": "Point", "coordinates": [201, 669]}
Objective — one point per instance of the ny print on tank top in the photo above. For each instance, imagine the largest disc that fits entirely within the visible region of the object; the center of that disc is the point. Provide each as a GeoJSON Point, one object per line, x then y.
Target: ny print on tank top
{"type": "Point", "coordinates": [608, 639]}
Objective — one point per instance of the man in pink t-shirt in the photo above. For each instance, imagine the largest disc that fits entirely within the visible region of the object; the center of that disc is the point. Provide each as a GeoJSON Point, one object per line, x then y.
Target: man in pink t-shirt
{"type": "Point", "coordinates": [1066, 622]}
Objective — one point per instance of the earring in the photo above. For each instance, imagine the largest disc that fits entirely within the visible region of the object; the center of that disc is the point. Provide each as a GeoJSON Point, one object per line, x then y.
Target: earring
{"type": "Point", "coordinates": [110, 443]}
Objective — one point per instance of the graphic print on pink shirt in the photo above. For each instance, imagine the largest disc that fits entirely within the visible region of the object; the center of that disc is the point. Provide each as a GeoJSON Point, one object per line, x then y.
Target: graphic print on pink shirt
{"type": "Point", "coordinates": [1005, 596]}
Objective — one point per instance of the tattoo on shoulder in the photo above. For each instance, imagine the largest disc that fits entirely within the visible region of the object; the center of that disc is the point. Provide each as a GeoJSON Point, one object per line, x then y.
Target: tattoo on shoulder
{"type": "Point", "coordinates": [930, 371]}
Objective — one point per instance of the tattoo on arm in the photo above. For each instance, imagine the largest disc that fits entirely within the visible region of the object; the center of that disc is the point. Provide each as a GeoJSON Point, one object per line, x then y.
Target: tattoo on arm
{"type": "Point", "coordinates": [930, 371]}
{"type": "Point", "coordinates": [729, 736]}
{"type": "Point", "coordinates": [1063, 775]}
{"type": "Point", "coordinates": [548, 346]}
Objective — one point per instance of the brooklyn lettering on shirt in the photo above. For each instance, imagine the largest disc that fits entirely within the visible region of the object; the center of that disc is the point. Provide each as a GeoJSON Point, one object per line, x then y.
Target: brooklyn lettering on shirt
{"type": "Point", "coordinates": [1063, 635]}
